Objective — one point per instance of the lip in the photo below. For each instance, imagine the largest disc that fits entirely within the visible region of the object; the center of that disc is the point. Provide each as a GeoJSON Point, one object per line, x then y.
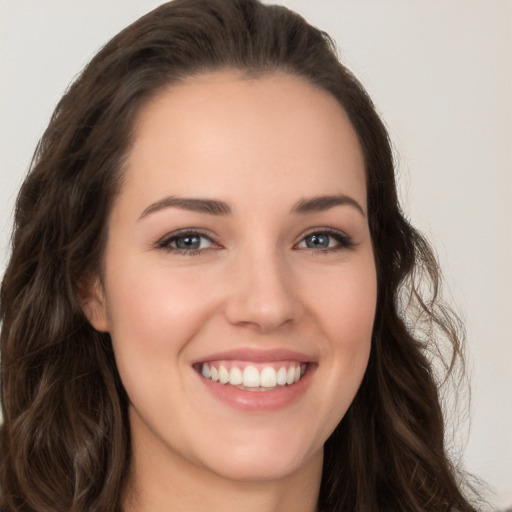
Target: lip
{"type": "Point", "coordinates": [257, 356]}
{"type": "Point", "coordinates": [259, 401]}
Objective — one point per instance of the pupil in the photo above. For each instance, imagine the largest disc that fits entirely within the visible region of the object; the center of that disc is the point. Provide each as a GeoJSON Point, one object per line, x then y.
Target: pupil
{"type": "Point", "coordinates": [188, 242]}
{"type": "Point", "coordinates": [315, 241]}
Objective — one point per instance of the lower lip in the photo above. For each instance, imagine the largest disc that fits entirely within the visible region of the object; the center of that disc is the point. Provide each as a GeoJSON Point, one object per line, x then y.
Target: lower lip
{"type": "Point", "coordinates": [259, 401]}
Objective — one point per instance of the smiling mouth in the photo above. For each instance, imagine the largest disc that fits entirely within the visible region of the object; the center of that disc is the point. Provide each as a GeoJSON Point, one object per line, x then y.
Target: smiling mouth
{"type": "Point", "coordinates": [250, 376]}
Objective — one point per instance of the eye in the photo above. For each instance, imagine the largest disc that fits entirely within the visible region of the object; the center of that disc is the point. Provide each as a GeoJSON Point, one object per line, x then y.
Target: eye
{"type": "Point", "coordinates": [187, 242]}
{"type": "Point", "coordinates": [325, 240]}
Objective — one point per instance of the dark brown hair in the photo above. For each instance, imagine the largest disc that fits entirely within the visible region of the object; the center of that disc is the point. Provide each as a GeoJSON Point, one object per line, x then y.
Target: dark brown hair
{"type": "Point", "coordinates": [65, 441]}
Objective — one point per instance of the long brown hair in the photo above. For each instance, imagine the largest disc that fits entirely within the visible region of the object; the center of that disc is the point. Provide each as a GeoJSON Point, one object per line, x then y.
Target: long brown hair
{"type": "Point", "coordinates": [65, 441]}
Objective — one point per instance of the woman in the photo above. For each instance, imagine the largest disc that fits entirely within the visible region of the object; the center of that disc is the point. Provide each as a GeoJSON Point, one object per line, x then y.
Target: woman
{"type": "Point", "coordinates": [211, 290]}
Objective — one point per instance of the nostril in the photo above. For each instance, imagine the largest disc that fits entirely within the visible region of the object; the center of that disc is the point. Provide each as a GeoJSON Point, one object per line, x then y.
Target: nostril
{"type": "Point", "coordinates": [265, 315]}
{"type": "Point", "coordinates": [262, 294]}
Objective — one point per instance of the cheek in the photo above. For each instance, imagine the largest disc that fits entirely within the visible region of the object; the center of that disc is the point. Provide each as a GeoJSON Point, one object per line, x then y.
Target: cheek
{"type": "Point", "coordinates": [154, 311]}
{"type": "Point", "coordinates": [154, 307]}
{"type": "Point", "coordinates": [345, 310]}
{"type": "Point", "coordinates": [346, 305]}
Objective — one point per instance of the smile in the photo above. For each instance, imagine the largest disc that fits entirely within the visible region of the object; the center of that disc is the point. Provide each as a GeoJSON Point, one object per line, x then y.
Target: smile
{"type": "Point", "coordinates": [254, 376]}
{"type": "Point", "coordinates": [257, 381]}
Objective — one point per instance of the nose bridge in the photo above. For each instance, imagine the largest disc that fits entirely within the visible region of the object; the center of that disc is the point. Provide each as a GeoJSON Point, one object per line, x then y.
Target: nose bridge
{"type": "Point", "coordinates": [263, 292]}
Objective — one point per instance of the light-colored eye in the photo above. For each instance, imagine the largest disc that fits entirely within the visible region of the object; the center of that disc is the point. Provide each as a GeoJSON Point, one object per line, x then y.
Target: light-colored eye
{"type": "Point", "coordinates": [190, 242]}
{"type": "Point", "coordinates": [325, 240]}
{"type": "Point", "coordinates": [187, 242]}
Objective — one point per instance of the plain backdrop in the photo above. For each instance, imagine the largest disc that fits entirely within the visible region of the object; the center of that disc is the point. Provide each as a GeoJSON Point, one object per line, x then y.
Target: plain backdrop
{"type": "Point", "coordinates": [440, 73]}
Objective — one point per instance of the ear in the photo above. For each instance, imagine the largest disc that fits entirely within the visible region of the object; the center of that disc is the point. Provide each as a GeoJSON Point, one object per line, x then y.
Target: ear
{"type": "Point", "coordinates": [92, 300]}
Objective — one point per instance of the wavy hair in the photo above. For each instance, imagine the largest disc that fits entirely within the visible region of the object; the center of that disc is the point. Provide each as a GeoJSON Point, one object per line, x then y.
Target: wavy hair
{"type": "Point", "coordinates": [65, 439]}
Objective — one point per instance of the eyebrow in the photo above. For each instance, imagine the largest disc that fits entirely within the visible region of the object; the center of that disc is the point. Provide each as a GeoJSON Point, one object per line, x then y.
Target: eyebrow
{"type": "Point", "coordinates": [221, 208]}
{"type": "Point", "coordinates": [322, 203]}
{"type": "Point", "coordinates": [208, 206]}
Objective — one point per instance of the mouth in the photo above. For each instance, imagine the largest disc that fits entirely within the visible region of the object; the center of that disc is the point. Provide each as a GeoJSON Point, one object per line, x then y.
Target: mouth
{"type": "Point", "coordinates": [257, 381]}
{"type": "Point", "coordinates": [253, 376]}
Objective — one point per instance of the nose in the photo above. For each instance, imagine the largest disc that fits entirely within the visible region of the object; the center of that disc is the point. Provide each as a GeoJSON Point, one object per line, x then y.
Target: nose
{"type": "Point", "coordinates": [263, 293]}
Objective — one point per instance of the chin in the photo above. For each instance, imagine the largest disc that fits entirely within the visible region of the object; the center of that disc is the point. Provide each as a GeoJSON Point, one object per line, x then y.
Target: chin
{"type": "Point", "coordinates": [264, 460]}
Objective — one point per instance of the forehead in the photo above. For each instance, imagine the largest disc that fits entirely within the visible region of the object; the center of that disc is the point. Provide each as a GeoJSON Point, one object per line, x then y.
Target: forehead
{"type": "Point", "coordinates": [225, 133]}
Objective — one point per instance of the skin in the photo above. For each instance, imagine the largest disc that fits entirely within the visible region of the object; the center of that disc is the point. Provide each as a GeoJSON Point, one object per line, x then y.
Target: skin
{"type": "Point", "coordinates": [261, 145]}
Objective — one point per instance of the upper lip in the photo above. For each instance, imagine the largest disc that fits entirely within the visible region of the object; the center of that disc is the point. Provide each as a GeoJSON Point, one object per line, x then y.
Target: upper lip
{"type": "Point", "coordinates": [257, 355]}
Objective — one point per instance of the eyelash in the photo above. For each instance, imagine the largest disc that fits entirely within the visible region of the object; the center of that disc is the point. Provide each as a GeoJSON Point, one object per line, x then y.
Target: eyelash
{"type": "Point", "coordinates": [165, 243]}
{"type": "Point", "coordinates": [343, 241]}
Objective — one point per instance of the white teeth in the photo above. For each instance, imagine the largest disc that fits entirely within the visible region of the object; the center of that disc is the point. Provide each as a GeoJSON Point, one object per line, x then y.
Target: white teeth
{"type": "Point", "coordinates": [268, 377]}
{"type": "Point", "coordinates": [223, 375]}
{"type": "Point", "coordinates": [281, 376]}
{"type": "Point", "coordinates": [235, 376]}
{"type": "Point", "coordinates": [251, 377]}
{"type": "Point", "coordinates": [205, 370]}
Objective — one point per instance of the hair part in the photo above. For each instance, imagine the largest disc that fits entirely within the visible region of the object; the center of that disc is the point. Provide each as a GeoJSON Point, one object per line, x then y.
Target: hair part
{"type": "Point", "coordinates": [65, 442]}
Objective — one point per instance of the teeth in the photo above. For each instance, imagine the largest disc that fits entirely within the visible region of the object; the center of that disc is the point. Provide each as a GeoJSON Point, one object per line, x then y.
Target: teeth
{"type": "Point", "coordinates": [205, 370]}
{"type": "Point", "coordinates": [268, 377]}
{"type": "Point", "coordinates": [223, 375]}
{"type": "Point", "coordinates": [251, 377]}
{"type": "Point", "coordinates": [281, 376]}
{"type": "Point", "coordinates": [235, 376]}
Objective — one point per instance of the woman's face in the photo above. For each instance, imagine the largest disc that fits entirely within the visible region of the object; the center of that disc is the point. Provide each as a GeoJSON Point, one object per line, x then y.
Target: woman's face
{"type": "Point", "coordinates": [238, 251]}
